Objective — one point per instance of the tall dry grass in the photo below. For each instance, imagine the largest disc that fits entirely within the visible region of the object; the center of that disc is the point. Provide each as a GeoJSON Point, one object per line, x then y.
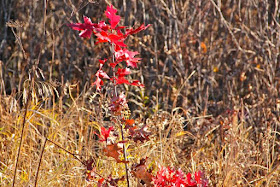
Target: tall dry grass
{"type": "Point", "coordinates": [211, 68]}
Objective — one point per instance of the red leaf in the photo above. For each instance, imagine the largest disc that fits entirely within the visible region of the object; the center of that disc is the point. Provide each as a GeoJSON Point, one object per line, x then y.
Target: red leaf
{"type": "Point", "coordinates": [117, 39]}
{"type": "Point", "coordinates": [86, 27]}
{"type": "Point", "coordinates": [137, 83]}
{"type": "Point", "coordinates": [122, 80]}
{"type": "Point", "coordinates": [131, 61]}
{"type": "Point", "coordinates": [134, 31]}
{"type": "Point", "coordinates": [103, 37]}
{"type": "Point", "coordinates": [102, 61]}
{"type": "Point", "coordinates": [129, 122]}
{"type": "Point", "coordinates": [128, 56]}
{"type": "Point", "coordinates": [101, 74]}
{"type": "Point", "coordinates": [113, 65]}
{"type": "Point", "coordinates": [123, 72]}
{"type": "Point", "coordinates": [118, 103]}
{"type": "Point", "coordinates": [100, 181]}
{"type": "Point", "coordinates": [101, 26]}
{"type": "Point", "coordinates": [98, 83]}
{"type": "Point", "coordinates": [105, 133]}
{"type": "Point", "coordinates": [111, 15]}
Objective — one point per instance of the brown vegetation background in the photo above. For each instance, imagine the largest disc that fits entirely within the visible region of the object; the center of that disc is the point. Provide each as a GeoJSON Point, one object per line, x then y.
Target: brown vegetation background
{"type": "Point", "coordinates": [214, 62]}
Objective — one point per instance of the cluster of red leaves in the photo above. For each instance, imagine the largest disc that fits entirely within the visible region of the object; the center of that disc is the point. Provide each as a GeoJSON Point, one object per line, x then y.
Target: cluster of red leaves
{"type": "Point", "coordinates": [118, 103]}
{"type": "Point", "coordinates": [115, 35]}
{"type": "Point", "coordinates": [167, 177]}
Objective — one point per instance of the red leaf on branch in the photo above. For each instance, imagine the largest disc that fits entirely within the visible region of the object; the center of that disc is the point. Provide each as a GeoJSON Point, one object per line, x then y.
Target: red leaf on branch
{"type": "Point", "coordinates": [98, 83]}
{"type": "Point", "coordinates": [86, 27]}
{"type": "Point", "coordinates": [123, 72]}
{"type": "Point", "coordinates": [102, 61]}
{"type": "Point", "coordinates": [103, 37]}
{"type": "Point", "coordinates": [170, 177]}
{"type": "Point", "coordinates": [127, 56]}
{"type": "Point", "coordinates": [104, 133]}
{"type": "Point", "coordinates": [101, 74]}
{"type": "Point", "coordinates": [131, 61]}
{"type": "Point", "coordinates": [134, 31]}
{"type": "Point", "coordinates": [139, 134]}
{"type": "Point", "coordinates": [137, 83]}
{"type": "Point", "coordinates": [117, 39]}
{"type": "Point", "coordinates": [129, 122]}
{"type": "Point", "coordinates": [118, 103]}
{"type": "Point", "coordinates": [100, 182]}
{"type": "Point", "coordinates": [121, 80]}
{"type": "Point", "coordinates": [111, 15]}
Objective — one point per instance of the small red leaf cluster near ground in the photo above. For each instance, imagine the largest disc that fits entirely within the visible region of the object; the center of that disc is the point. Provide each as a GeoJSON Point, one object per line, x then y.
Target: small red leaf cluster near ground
{"type": "Point", "coordinates": [167, 177]}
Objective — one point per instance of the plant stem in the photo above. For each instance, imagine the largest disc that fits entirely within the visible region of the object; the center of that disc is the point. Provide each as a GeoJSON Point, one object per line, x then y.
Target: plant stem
{"type": "Point", "coordinates": [22, 131]}
{"type": "Point", "coordinates": [66, 151]}
{"type": "Point", "coordinates": [124, 155]}
{"type": "Point", "coordinates": [114, 71]}
{"type": "Point", "coordinates": [40, 160]}
{"type": "Point", "coordinates": [121, 127]}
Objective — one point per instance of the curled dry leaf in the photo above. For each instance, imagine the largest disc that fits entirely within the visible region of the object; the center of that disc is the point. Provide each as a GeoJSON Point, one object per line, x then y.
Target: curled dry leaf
{"type": "Point", "coordinates": [114, 151]}
{"type": "Point", "coordinates": [141, 172]}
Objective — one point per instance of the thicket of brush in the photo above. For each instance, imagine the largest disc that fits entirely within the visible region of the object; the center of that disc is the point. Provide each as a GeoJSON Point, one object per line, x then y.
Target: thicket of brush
{"type": "Point", "coordinates": [211, 71]}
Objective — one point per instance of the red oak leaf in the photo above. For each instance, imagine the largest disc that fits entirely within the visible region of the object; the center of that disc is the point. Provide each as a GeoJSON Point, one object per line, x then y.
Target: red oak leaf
{"type": "Point", "coordinates": [111, 15]}
{"type": "Point", "coordinates": [100, 182]}
{"type": "Point", "coordinates": [134, 31]}
{"type": "Point", "coordinates": [86, 27]}
{"type": "Point", "coordinates": [137, 83]}
{"type": "Point", "coordinates": [121, 80]}
{"type": "Point", "coordinates": [101, 26]}
{"type": "Point", "coordinates": [101, 74]}
{"type": "Point", "coordinates": [128, 56]}
{"type": "Point", "coordinates": [129, 122]}
{"type": "Point", "coordinates": [117, 39]}
{"type": "Point", "coordinates": [103, 37]}
{"type": "Point", "coordinates": [102, 61]}
{"type": "Point", "coordinates": [118, 103]}
{"type": "Point", "coordinates": [139, 134]}
{"type": "Point", "coordinates": [98, 83]}
{"type": "Point", "coordinates": [113, 65]}
{"type": "Point", "coordinates": [131, 61]}
{"type": "Point", "coordinates": [123, 72]}
{"type": "Point", "coordinates": [105, 133]}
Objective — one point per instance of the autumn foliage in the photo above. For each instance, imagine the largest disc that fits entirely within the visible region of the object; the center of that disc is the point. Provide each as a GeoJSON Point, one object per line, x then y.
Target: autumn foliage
{"type": "Point", "coordinates": [115, 35]}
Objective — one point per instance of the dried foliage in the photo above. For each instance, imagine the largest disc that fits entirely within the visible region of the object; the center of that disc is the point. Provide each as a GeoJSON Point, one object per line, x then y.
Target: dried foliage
{"type": "Point", "coordinates": [211, 70]}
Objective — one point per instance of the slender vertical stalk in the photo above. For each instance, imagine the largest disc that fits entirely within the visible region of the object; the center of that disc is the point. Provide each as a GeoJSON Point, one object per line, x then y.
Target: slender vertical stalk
{"type": "Point", "coordinates": [121, 127]}
{"type": "Point", "coordinates": [124, 155]}
{"type": "Point", "coordinates": [22, 131]}
{"type": "Point", "coordinates": [40, 160]}
{"type": "Point", "coordinates": [114, 70]}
